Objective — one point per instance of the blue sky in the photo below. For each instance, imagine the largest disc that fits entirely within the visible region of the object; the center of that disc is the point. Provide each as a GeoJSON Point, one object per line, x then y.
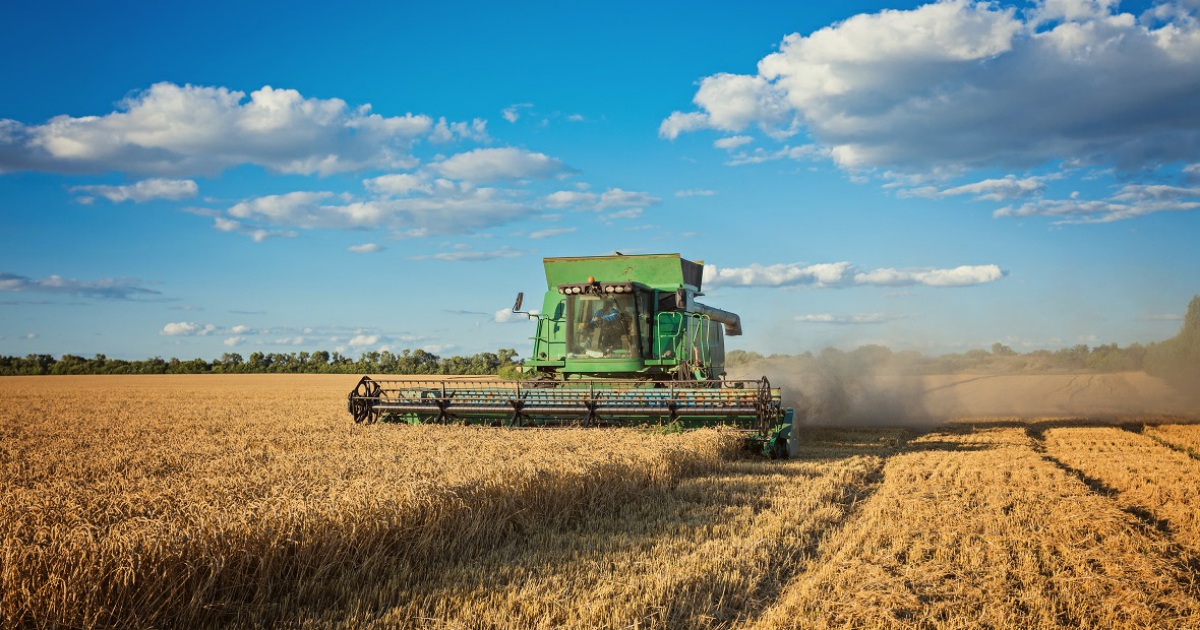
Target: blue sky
{"type": "Point", "coordinates": [193, 180]}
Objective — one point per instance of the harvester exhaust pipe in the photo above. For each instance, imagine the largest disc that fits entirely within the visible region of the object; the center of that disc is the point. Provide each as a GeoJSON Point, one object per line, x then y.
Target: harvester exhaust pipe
{"type": "Point", "coordinates": [733, 323]}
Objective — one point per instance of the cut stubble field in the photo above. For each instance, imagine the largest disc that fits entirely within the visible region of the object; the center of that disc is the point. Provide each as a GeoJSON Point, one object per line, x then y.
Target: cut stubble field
{"type": "Point", "coordinates": [253, 500]}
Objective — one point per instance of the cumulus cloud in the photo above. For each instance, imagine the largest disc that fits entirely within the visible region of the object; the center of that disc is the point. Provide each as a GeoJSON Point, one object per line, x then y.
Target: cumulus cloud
{"type": "Point", "coordinates": [363, 340]}
{"type": "Point", "coordinates": [450, 131]}
{"type": "Point", "coordinates": [780, 275]}
{"type": "Point", "coordinates": [397, 184]}
{"type": "Point", "coordinates": [844, 274]}
{"type": "Point", "coordinates": [972, 84]}
{"type": "Point", "coordinates": [172, 129]}
{"type": "Point", "coordinates": [365, 248]}
{"type": "Point", "coordinates": [444, 207]}
{"type": "Point", "coordinates": [695, 193]}
{"type": "Point", "coordinates": [187, 329]}
{"type": "Point", "coordinates": [145, 190]}
{"type": "Point", "coordinates": [512, 113]}
{"type": "Point", "coordinates": [611, 199]}
{"type": "Point", "coordinates": [109, 288]}
{"type": "Point", "coordinates": [487, 165]}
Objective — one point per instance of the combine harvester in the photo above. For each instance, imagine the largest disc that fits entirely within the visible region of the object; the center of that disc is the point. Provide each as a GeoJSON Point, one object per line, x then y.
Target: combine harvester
{"type": "Point", "coordinates": [620, 341]}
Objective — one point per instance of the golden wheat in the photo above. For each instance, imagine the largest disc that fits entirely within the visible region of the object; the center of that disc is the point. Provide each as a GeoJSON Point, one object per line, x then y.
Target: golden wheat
{"type": "Point", "coordinates": [974, 529]}
{"type": "Point", "coordinates": [1144, 475]}
{"type": "Point", "coordinates": [1184, 437]}
{"type": "Point", "coordinates": [705, 554]}
{"type": "Point", "coordinates": [250, 501]}
{"type": "Point", "coordinates": [175, 501]}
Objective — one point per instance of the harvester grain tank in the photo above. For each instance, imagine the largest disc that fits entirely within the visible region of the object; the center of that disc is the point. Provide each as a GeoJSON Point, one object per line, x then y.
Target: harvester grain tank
{"type": "Point", "coordinates": [620, 341]}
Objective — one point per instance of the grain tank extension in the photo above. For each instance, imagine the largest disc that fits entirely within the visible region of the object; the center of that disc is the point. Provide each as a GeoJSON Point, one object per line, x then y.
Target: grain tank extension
{"type": "Point", "coordinates": [620, 341]}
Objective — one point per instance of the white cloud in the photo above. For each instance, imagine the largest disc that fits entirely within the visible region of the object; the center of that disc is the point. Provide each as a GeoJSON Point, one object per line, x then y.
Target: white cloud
{"type": "Point", "coordinates": [679, 122]}
{"type": "Point", "coordinates": [732, 142]}
{"type": "Point", "coordinates": [1130, 201]}
{"type": "Point", "coordinates": [844, 274]}
{"type": "Point", "coordinates": [445, 207]}
{"type": "Point", "coordinates": [512, 113]}
{"type": "Point", "coordinates": [695, 193]}
{"type": "Point", "coordinates": [294, 208]}
{"type": "Point", "coordinates": [802, 153]}
{"type": "Point", "coordinates": [617, 198]}
{"type": "Point", "coordinates": [1008, 187]}
{"type": "Point", "coordinates": [449, 132]}
{"type": "Point", "coordinates": [857, 318]}
{"type": "Point", "coordinates": [145, 190]}
{"type": "Point", "coordinates": [485, 165]}
{"type": "Point", "coordinates": [187, 329]}
{"type": "Point", "coordinates": [171, 129]}
{"type": "Point", "coordinates": [780, 275]}
{"type": "Point", "coordinates": [613, 198]}
{"type": "Point", "coordinates": [507, 316]}
{"type": "Point", "coordinates": [962, 276]}
{"type": "Point", "coordinates": [234, 341]}
{"type": "Point", "coordinates": [363, 340]}
{"type": "Point", "coordinates": [111, 288]}
{"type": "Point", "coordinates": [547, 233]}
{"type": "Point", "coordinates": [570, 198]}
{"type": "Point", "coordinates": [464, 253]}
{"type": "Point", "coordinates": [256, 234]}
{"type": "Point", "coordinates": [365, 248]}
{"type": "Point", "coordinates": [968, 83]}
{"type": "Point", "coordinates": [397, 184]}
{"type": "Point", "coordinates": [627, 213]}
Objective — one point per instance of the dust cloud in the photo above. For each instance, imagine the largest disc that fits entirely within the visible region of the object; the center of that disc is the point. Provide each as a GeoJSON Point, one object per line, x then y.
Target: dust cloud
{"type": "Point", "coordinates": [841, 389]}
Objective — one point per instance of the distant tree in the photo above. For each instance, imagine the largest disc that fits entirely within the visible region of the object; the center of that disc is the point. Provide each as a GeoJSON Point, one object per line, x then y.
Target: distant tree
{"type": "Point", "coordinates": [1177, 360]}
{"type": "Point", "coordinates": [1001, 350]}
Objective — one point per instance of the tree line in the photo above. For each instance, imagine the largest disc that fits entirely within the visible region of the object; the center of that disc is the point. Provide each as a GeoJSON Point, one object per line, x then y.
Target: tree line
{"type": "Point", "coordinates": [502, 362]}
{"type": "Point", "coordinates": [1176, 360]}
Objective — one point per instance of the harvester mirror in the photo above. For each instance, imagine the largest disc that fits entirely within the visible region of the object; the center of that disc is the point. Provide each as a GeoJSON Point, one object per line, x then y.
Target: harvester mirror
{"type": "Point", "coordinates": [680, 299]}
{"type": "Point", "coordinates": [517, 304]}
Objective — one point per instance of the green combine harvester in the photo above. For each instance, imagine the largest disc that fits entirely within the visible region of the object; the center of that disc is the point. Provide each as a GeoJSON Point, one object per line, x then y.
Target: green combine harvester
{"type": "Point", "coordinates": [620, 341]}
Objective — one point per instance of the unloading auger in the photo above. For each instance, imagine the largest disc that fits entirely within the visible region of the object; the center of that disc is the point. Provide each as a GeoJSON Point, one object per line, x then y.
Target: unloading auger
{"type": "Point", "coordinates": [620, 341]}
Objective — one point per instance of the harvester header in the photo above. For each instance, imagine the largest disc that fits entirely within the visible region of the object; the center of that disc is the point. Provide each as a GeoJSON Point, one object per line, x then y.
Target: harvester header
{"type": "Point", "coordinates": [620, 340]}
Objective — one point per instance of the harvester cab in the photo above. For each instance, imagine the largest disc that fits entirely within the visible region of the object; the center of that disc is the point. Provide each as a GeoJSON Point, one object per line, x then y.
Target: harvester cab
{"type": "Point", "coordinates": [632, 317]}
{"type": "Point", "coordinates": [620, 341]}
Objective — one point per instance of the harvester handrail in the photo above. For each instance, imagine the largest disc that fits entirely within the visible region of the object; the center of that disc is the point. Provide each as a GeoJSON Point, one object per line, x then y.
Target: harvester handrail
{"type": "Point", "coordinates": [684, 336]}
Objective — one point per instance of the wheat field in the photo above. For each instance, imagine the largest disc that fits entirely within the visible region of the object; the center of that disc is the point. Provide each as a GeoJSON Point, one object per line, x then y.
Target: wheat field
{"type": "Point", "coordinates": [253, 501]}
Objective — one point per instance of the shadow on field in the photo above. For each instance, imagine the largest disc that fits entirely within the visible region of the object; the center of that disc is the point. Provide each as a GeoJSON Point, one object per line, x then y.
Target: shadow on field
{"type": "Point", "coordinates": [673, 557]}
{"type": "Point", "coordinates": [826, 443]}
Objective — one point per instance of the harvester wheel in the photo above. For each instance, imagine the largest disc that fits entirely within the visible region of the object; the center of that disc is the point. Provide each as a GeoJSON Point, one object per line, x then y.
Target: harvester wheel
{"type": "Point", "coordinates": [360, 410]}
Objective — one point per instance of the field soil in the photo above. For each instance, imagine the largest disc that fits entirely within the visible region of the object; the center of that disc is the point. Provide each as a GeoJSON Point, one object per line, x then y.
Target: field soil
{"type": "Point", "coordinates": [249, 501]}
